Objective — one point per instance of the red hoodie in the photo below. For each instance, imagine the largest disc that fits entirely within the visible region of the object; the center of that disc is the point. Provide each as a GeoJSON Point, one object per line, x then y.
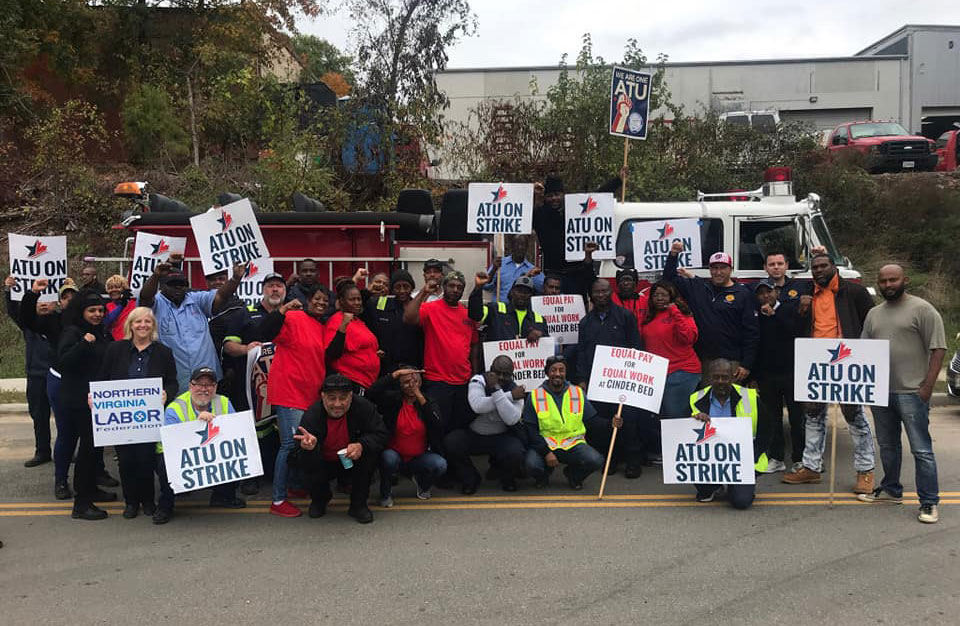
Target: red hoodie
{"type": "Point", "coordinates": [671, 334]}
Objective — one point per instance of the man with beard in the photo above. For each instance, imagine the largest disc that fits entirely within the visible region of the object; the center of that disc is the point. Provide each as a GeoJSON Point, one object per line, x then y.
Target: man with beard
{"type": "Point", "coordinates": [917, 346]}
{"type": "Point", "coordinates": [401, 343]}
{"type": "Point", "coordinates": [837, 310]}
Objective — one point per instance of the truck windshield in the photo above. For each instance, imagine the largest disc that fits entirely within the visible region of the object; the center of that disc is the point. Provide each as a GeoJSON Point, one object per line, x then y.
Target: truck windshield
{"type": "Point", "coordinates": [881, 129]}
{"type": "Point", "coordinates": [823, 235]}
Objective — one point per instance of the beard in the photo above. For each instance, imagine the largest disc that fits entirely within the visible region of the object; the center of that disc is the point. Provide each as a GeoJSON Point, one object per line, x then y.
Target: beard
{"type": "Point", "coordinates": [891, 296]}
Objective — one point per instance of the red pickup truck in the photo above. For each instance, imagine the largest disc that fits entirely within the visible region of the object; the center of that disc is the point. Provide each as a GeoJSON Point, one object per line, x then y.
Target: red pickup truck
{"type": "Point", "coordinates": [887, 146]}
{"type": "Point", "coordinates": [948, 151]}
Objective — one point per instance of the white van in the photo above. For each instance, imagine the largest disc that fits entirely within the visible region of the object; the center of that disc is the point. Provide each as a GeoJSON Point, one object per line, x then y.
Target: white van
{"type": "Point", "coordinates": [760, 121]}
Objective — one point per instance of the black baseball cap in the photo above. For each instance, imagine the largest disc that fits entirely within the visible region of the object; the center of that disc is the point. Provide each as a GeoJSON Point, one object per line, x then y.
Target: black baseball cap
{"type": "Point", "coordinates": [767, 283]}
{"type": "Point", "coordinates": [523, 281]}
{"type": "Point", "coordinates": [433, 263]}
{"type": "Point", "coordinates": [273, 276]}
{"type": "Point", "coordinates": [200, 372]}
{"type": "Point", "coordinates": [336, 382]}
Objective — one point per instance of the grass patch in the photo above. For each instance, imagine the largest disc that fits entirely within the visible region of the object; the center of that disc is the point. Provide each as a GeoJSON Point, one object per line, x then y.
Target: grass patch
{"type": "Point", "coordinates": [11, 349]}
{"type": "Point", "coordinates": [12, 397]}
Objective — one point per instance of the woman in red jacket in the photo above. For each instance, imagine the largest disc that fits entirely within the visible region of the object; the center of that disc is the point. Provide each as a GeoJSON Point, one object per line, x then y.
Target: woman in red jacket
{"type": "Point", "coordinates": [296, 373]}
{"type": "Point", "coordinates": [352, 349]}
{"type": "Point", "coordinates": [669, 331]}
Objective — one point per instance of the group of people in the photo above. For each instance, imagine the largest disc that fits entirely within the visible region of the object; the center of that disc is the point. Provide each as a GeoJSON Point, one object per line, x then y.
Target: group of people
{"type": "Point", "coordinates": [377, 378]}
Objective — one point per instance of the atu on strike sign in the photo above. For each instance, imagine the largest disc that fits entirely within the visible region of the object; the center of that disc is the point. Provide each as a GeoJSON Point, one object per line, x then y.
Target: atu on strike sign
{"type": "Point", "coordinates": [529, 359]}
{"type": "Point", "coordinates": [652, 241]}
{"type": "Point", "coordinates": [228, 236]}
{"type": "Point", "coordinates": [589, 217]}
{"type": "Point", "coordinates": [718, 453]}
{"type": "Point", "coordinates": [148, 251]}
{"type": "Point", "coordinates": [629, 103]}
{"type": "Point", "coordinates": [845, 371]}
{"type": "Point", "coordinates": [201, 454]}
{"type": "Point", "coordinates": [250, 289]}
{"type": "Point", "coordinates": [628, 376]}
{"type": "Point", "coordinates": [500, 208]}
{"type": "Point", "coordinates": [562, 314]}
{"type": "Point", "coordinates": [126, 411]}
{"type": "Point", "coordinates": [32, 258]}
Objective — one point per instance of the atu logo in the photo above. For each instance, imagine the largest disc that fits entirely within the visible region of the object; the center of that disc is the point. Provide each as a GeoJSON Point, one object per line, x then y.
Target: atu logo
{"type": "Point", "coordinates": [210, 430]}
{"type": "Point", "coordinates": [500, 194]}
{"type": "Point", "coordinates": [225, 220]}
{"type": "Point", "coordinates": [36, 249]}
{"type": "Point", "coordinates": [839, 353]}
{"type": "Point", "coordinates": [705, 433]}
{"type": "Point", "coordinates": [588, 206]}
{"type": "Point", "coordinates": [251, 270]}
{"type": "Point", "coordinates": [666, 231]}
{"type": "Point", "coordinates": [159, 248]}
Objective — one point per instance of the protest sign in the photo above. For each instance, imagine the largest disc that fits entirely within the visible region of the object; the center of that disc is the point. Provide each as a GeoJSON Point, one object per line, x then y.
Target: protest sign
{"type": "Point", "coordinates": [32, 258]}
{"type": "Point", "coordinates": [200, 454]}
{"type": "Point", "coordinates": [529, 359]}
{"type": "Point", "coordinates": [846, 371]}
{"type": "Point", "coordinates": [126, 411]}
{"type": "Point", "coordinates": [589, 217]}
{"type": "Point", "coordinates": [150, 250]}
{"type": "Point", "coordinates": [628, 376]}
{"type": "Point", "coordinates": [652, 241]}
{"type": "Point", "coordinates": [562, 314]}
{"type": "Point", "coordinates": [228, 236]}
{"type": "Point", "coordinates": [259, 360]}
{"type": "Point", "coordinates": [718, 453]}
{"type": "Point", "coordinates": [629, 103]}
{"type": "Point", "coordinates": [502, 208]}
{"type": "Point", "coordinates": [250, 289]}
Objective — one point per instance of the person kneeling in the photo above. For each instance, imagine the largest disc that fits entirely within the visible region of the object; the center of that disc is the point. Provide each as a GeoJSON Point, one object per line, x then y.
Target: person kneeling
{"type": "Point", "coordinates": [342, 435]}
{"type": "Point", "coordinates": [556, 414]}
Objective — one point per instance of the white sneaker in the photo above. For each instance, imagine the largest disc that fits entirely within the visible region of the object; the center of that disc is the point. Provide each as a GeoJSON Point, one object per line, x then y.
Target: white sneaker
{"type": "Point", "coordinates": [386, 502]}
{"type": "Point", "coordinates": [774, 466]}
{"type": "Point", "coordinates": [423, 494]}
{"type": "Point", "coordinates": [929, 514]}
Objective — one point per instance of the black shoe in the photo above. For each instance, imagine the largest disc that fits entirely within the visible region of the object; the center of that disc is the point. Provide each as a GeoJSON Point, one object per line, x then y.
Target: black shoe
{"type": "Point", "coordinates": [104, 496]}
{"type": "Point", "coordinates": [250, 487]}
{"type": "Point", "coordinates": [61, 491]}
{"type": "Point", "coordinates": [576, 485]}
{"type": "Point", "coordinates": [363, 514]}
{"type": "Point", "coordinates": [541, 483]}
{"type": "Point", "coordinates": [106, 480]}
{"type": "Point", "coordinates": [633, 471]}
{"type": "Point", "coordinates": [149, 508]}
{"type": "Point", "coordinates": [130, 511]}
{"type": "Point", "coordinates": [509, 485]}
{"type": "Point", "coordinates": [91, 512]}
{"type": "Point", "coordinates": [162, 516]}
{"type": "Point", "coordinates": [317, 509]}
{"type": "Point", "coordinates": [37, 460]}
{"type": "Point", "coordinates": [232, 503]}
{"type": "Point", "coordinates": [468, 490]}
{"type": "Point", "coordinates": [614, 468]}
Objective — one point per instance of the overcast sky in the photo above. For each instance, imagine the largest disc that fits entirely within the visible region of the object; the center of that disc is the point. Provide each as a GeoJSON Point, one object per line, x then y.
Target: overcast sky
{"type": "Point", "coordinates": [538, 32]}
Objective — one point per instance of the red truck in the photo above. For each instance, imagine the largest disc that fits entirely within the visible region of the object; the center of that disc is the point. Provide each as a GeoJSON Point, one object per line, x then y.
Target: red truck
{"type": "Point", "coordinates": [948, 151]}
{"type": "Point", "coordinates": [886, 146]}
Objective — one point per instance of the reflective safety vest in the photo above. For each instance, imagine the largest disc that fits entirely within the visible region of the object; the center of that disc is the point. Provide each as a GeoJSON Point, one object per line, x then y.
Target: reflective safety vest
{"type": "Point", "coordinates": [746, 407]}
{"type": "Point", "coordinates": [382, 303]}
{"type": "Point", "coordinates": [560, 428]}
{"type": "Point", "coordinates": [502, 309]}
{"type": "Point", "coordinates": [182, 406]}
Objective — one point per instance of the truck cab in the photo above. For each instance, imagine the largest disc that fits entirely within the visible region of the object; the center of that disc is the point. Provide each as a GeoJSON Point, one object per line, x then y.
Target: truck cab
{"type": "Point", "coordinates": [948, 151]}
{"type": "Point", "coordinates": [886, 146]}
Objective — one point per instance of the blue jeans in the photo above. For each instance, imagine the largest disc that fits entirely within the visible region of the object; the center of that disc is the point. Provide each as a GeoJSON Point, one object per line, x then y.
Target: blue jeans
{"type": "Point", "coordinates": [426, 468]}
{"type": "Point", "coordinates": [581, 461]}
{"type": "Point", "coordinates": [816, 436]}
{"type": "Point", "coordinates": [676, 394]}
{"type": "Point", "coordinates": [66, 441]}
{"type": "Point", "coordinates": [907, 409]}
{"type": "Point", "coordinates": [288, 420]}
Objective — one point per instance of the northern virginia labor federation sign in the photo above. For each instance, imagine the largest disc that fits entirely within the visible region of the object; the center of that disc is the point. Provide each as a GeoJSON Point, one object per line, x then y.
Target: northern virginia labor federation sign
{"type": "Point", "coordinates": [629, 103]}
{"type": "Point", "coordinates": [845, 371]}
{"type": "Point", "coordinates": [126, 411]}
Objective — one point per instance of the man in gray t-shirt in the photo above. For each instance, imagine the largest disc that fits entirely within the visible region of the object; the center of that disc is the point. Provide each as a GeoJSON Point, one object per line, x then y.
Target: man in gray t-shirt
{"type": "Point", "coordinates": [917, 347]}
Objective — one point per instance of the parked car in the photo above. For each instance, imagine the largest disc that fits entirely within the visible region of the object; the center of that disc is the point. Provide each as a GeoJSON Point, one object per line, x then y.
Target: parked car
{"type": "Point", "coordinates": [948, 151]}
{"type": "Point", "coordinates": [761, 121]}
{"type": "Point", "coordinates": [886, 146]}
{"type": "Point", "coordinates": [953, 374]}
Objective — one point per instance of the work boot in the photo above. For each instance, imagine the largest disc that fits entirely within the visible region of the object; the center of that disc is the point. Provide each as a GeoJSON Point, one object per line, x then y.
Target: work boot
{"type": "Point", "coordinates": [802, 477]}
{"type": "Point", "coordinates": [318, 508]}
{"type": "Point", "coordinates": [106, 480]}
{"type": "Point", "coordinates": [38, 459]}
{"type": "Point", "coordinates": [103, 496]}
{"type": "Point", "coordinates": [362, 514]}
{"type": "Point", "coordinates": [864, 482]}
{"type": "Point", "coordinates": [89, 512]}
{"type": "Point", "coordinates": [61, 491]}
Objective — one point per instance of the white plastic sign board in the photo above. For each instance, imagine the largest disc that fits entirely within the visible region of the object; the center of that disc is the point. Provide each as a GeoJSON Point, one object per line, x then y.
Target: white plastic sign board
{"type": "Point", "coordinates": [126, 411]}
{"type": "Point", "coordinates": [250, 289]}
{"type": "Point", "coordinates": [200, 454]}
{"type": "Point", "coordinates": [718, 453]}
{"type": "Point", "coordinates": [228, 236]}
{"type": "Point", "coordinates": [500, 208]}
{"type": "Point", "coordinates": [562, 314]}
{"type": "Point", "coordinates": [652, 241]}
{"type": "Point", "coordinates": [625, 375]}
{"type": "Point", "coordinates": [150, 250]}
{"type": "Point", "coordinates": [32, 258]}
{"type": "Point", "coordinates": [529, 359]}
{"type": "Point", "coordinates": [589, 217]}
{"type": "Point", "coordinates": [845, 371]}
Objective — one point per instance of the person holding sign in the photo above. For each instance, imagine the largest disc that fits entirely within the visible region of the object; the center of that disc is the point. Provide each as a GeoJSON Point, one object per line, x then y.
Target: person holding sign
{"type": "Point", "coordinates": [352, 349]}
{"type": "Point", "coordinates": [670, 331]}
{"type": "Point", "coordinates": [199, 403]}
{"type": "Point", "coordinates": [917, 347]}
{"type": "Point", "coordinates": [555, 416]}
{"type": "Point", "coordinates": [723, 399]}
{"type": "Point", "coordinates": [549, 222]}
{"type": "Point", "coordinates": [513, 267]}
{"type": "Point", "coordinates": [507, 321]}
{"type": "Point", "coordinates": [723, 309]}
{"type": "Point", "coordinates": [341, 435]}
{"type": "Point", "coordinates": [139, 355]}
{"type": "Point", "coordinates": [836, 310]}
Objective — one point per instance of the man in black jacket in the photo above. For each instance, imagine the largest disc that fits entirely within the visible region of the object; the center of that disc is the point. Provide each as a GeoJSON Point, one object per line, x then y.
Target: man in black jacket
{"type": "Point", "coordinates": [340, 434]}
{"type": "Point", "coordinates": [504, 320]}
{"type": "Point", "coordinates": [383, 315]}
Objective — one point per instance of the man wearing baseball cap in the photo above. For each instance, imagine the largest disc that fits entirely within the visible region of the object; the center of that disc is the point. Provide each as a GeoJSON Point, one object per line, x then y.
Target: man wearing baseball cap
{"type": "Point", "coordinates": [507, 320]}
{"type": "Point", "coordinates": [432, 275]}
{"type": "Point", "coordinates": [724, 311]}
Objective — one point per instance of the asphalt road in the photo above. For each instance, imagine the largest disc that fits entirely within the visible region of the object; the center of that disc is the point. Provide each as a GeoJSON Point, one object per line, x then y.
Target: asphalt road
{"type": "Point", "coordinates": [646, 554]}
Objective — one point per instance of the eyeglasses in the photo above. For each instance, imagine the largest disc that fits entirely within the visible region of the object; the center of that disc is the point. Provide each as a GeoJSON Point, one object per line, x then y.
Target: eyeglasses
{"type": "Point", "coordinates": [204, 385]}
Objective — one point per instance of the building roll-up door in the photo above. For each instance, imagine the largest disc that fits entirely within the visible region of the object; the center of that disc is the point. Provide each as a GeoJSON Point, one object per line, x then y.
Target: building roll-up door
{"type": "Point", "coordinates": [825, 118]}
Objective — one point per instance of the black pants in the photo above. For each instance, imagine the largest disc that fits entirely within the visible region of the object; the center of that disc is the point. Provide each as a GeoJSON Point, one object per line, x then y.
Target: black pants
{"type": "Point", "coordinates": [226, 491]}
{"type": "Point", "coordinates": [318, 477]}
{"type": "Point", "coordinates": [631, 440]}
{"type": "Point", "coordinates": [451, 402]}
{"type": "Point", "coordinates": [137, 466]}
{"type": "Point", "coordinates": [505, 450]}
{"type": "Point", "coordinates": [39, 405]}
{"type": "Point", "coordinates": [85, 470]}
{"type": "Point", "coordinates": [775, 390]}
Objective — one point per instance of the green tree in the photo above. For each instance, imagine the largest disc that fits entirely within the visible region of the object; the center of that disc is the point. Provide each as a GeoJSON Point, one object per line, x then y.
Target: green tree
{"type": "Point", "coordinates": [321, 58]}
{"type": "Point", "coordinates": [152, 128]}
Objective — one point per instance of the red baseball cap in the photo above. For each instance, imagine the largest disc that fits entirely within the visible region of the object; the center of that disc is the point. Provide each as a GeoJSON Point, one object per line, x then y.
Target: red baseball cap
{"type": "Point", "coordinates": [721, 257]}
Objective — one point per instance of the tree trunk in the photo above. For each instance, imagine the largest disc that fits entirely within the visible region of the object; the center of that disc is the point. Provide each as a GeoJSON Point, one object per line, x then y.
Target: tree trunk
{"type": "Point", "coordinates": [193, 124]}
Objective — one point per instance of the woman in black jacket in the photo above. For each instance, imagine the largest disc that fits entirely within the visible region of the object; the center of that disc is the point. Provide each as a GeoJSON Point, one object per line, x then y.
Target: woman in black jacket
{"type": "Point", "coordinates": [139, 355]}
{"type": "Point", "coordinates": [81, 349]}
